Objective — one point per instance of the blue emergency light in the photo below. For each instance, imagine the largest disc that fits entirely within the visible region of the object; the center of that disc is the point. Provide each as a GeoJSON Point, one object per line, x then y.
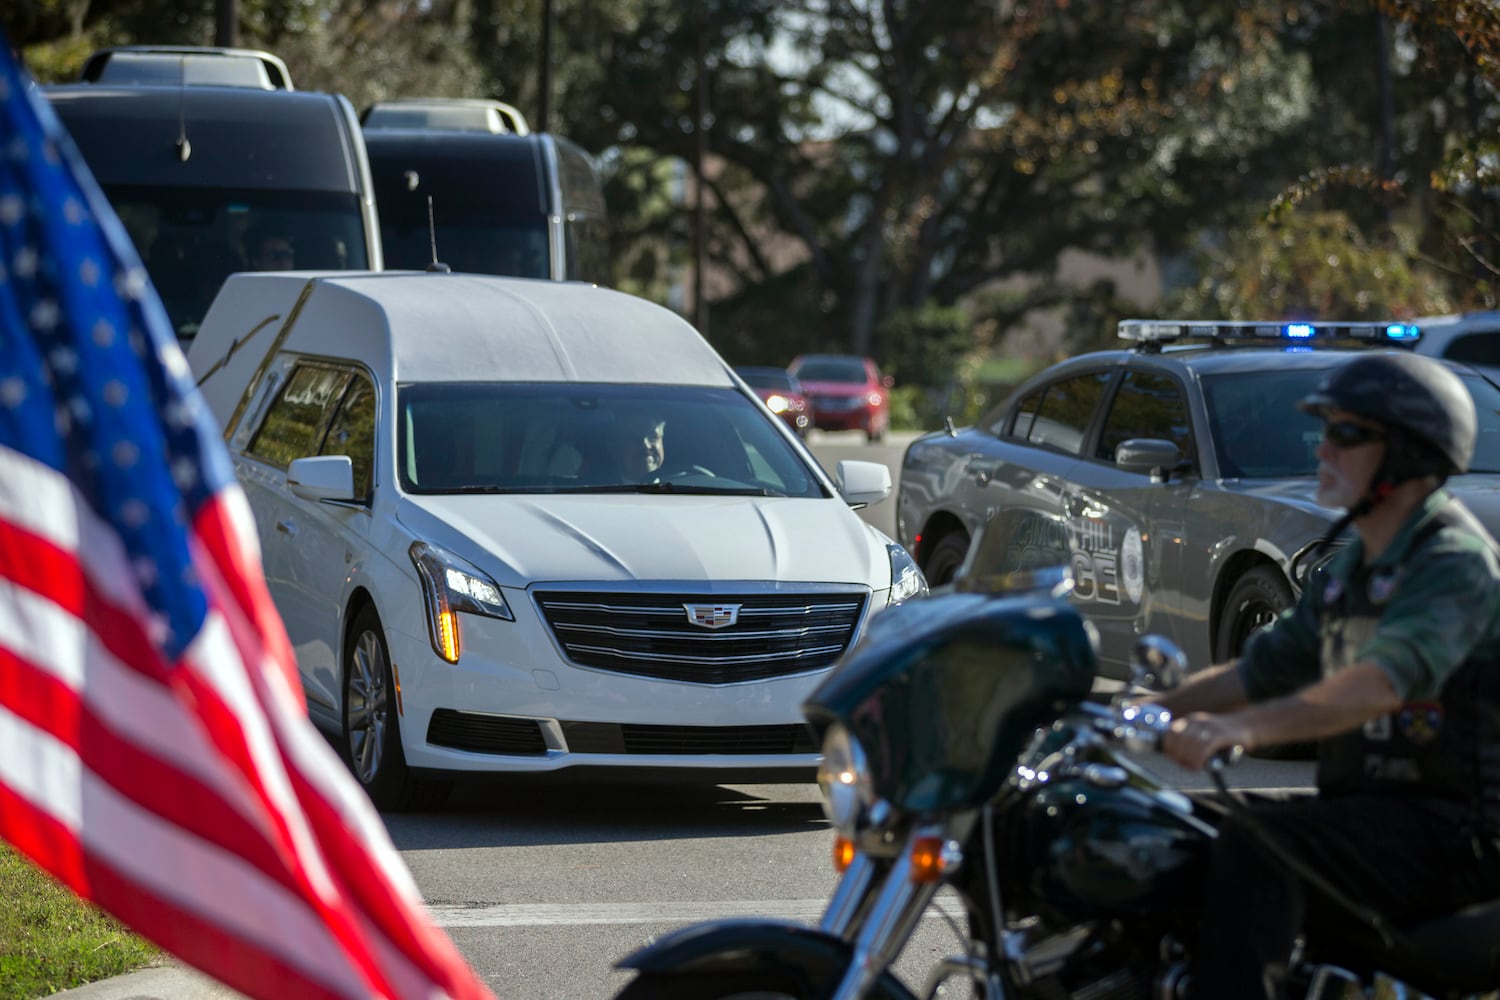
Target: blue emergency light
{"type": "Point", "coordinates": [1154, 332]}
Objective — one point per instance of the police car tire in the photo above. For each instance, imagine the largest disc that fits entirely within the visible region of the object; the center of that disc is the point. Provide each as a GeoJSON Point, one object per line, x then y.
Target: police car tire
{"type": "Point", "coordinates": [1261, 590]}
{"type": "Point", "coordinates": [945, 558]}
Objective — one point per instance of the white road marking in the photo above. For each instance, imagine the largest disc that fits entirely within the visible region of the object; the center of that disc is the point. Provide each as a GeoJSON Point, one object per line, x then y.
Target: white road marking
{"type": "Point", "coordinates": [807, 911]}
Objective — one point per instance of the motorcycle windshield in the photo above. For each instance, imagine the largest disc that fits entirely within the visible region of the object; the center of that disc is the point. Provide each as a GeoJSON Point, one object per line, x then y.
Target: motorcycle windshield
{"type": "Point", "coordinates": [945, 692]}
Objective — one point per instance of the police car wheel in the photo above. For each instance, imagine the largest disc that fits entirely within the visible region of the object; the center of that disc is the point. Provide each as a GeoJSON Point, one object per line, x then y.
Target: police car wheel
{"type": "Point", "coordinates": [1253, 602]}
{"type": "Point", "coordinates": [945, 559]}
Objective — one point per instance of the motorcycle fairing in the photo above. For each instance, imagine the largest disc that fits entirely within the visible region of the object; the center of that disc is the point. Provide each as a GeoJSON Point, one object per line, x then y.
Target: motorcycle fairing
{"type": "Point", "coordinates": [750, 944]}
{"type": "Point", "coordinates": [944, 693]}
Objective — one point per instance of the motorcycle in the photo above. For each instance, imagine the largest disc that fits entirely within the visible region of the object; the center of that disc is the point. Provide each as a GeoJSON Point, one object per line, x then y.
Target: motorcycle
{"type": "Point", "coordinates": [961, 749]}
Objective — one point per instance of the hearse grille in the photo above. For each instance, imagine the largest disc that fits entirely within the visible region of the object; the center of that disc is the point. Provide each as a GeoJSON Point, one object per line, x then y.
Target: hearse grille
{"type": "Point", "coordinates": [652, 635]}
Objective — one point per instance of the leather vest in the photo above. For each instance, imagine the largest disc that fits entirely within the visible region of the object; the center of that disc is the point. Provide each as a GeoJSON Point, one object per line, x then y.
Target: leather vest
{"type": "Point", "coordinates": [1448, 748]}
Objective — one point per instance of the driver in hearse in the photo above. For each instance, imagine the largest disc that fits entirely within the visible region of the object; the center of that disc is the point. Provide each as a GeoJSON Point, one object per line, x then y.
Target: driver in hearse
{"type": "Point", "coordinates": [637, 445]}
{"type": "Point", "coordinates": [1391, 662]}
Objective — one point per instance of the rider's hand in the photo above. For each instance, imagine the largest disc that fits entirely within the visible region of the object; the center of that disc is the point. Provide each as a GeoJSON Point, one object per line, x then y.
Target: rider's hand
{"type": "Point", "coordinates": [1194, 739]}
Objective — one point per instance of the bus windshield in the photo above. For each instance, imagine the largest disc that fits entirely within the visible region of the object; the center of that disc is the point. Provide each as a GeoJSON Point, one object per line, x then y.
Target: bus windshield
{"type": "Point", "coordinates": [192, 238]}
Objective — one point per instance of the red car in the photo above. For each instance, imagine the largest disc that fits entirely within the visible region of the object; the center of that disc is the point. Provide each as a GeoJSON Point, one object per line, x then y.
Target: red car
{"type": "Point", "coordinates": [847, 393]}
{"type": "Point", "coordinates": [782, 394]}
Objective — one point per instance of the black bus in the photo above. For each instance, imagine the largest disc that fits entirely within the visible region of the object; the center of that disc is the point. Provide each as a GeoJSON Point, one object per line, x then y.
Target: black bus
{"type": "Point", "coordinates": [212, 179]}
{"type": "Point", "coordinates": [503, 202]}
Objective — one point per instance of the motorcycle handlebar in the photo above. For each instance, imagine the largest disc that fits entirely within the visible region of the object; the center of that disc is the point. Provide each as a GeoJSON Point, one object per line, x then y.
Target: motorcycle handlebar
{"type": "Point", "coordinates": [1140, 727]}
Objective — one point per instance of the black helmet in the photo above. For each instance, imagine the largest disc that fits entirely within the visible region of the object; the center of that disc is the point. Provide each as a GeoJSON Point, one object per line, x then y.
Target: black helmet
{"type": "Point", "coordinates": [1424, 405]}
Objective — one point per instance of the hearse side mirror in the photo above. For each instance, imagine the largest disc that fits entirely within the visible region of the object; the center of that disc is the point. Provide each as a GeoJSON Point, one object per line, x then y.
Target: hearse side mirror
{"type": "Point", "coordinates": [322, 477]}
{"type": "Point", "coordinates": [863, 483]}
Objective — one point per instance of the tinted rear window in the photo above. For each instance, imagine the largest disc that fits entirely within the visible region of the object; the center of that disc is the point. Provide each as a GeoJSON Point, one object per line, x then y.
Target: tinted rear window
{"type": "Point", "coordinates": [488, 208]}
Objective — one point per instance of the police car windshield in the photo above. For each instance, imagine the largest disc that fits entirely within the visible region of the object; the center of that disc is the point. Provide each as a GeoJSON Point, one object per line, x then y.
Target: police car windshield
{"type": "Point", "coordinates": [1259, 433]}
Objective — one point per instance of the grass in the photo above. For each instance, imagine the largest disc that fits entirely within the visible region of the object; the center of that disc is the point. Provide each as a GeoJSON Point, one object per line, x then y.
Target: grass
{"type": "Point", "coordinates": [50, 940]}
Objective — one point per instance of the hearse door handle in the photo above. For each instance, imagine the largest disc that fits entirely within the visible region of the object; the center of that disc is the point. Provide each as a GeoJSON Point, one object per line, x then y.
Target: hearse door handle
{"type": "Point", "coordinates": [286, 526]}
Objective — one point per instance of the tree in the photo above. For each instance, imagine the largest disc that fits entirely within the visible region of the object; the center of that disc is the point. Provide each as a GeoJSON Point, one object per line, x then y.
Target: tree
{"type": "Point", "coordinates": [916, 151]}
{"type": "Point", "coordinates": [1432, 198]}
{"type": "Point", "coordinates": [1312, 265]}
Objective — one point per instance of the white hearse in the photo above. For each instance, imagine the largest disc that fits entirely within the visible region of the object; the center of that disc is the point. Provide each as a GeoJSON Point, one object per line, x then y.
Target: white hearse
{"type": "Point", "coordinates": [517, 525]}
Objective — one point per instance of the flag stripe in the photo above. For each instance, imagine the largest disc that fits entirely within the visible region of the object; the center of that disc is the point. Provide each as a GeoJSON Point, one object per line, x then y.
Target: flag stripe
{"type": "Point", "coordinates": [53, 847]}
{"type": "Point", "coordinates": [163, 859]}
{"type": "Point", "coordinates": [32, 562]}
{"type": "Point", "coordinates": [60, 650]}
{"type": "Point", "coordinates": [52, 708]}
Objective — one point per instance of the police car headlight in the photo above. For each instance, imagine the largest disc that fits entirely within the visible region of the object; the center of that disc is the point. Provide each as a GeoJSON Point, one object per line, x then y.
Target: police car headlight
{"type": "Point", "coordinates": [907, 580]}
{"type": "Point", "coordinates": [844, 780]}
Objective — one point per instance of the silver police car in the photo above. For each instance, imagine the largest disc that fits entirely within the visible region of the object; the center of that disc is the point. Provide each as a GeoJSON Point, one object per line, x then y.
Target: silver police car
{"type": "Point", "coordinates": [1178, 471]}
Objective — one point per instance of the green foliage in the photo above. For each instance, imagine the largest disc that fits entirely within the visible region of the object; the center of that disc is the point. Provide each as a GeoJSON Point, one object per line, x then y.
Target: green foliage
{"type": "Point", "coordinates": [50, 940]}
{"type": "Point", "coordinates": [934, 353]}
{"type": "Point", "coordinates": [1310, 265]}
{"type": "Point", "coordinates": [911, 409]}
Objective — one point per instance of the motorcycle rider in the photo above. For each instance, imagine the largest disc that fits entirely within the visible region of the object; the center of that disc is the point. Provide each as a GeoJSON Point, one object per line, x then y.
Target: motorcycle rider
{"type": "Point", "coordinates": [1391, 661]}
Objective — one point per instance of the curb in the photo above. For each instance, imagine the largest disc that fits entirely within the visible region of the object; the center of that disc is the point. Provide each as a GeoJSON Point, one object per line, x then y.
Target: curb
{"type": "Point", "coordinates": [165, 982]}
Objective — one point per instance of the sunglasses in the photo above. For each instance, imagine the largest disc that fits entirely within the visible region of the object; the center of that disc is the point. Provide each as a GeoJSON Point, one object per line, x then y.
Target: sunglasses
{"type": "Point", "coordinates": [1346, 434]}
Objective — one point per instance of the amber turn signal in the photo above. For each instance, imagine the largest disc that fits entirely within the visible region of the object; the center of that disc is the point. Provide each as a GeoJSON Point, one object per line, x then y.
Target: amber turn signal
{"type": "Point", "coordinates": [843, 853]}
{"type": "Point", "coordinates": [927, 860]}
{"type": "Point", "coordinates": [447, 630]}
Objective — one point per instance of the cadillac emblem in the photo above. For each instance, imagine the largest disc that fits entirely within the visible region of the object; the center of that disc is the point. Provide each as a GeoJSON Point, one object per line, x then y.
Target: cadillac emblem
{"type": "Point", "coordinates": [712, 615]}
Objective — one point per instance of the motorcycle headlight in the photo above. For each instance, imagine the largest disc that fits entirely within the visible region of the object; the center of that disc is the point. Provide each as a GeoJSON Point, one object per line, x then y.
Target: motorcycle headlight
{"type": "Point", "coordinates": [778, 404]}
{"type": "Point", "coordinates": [844, 780]}
{"type": "Point", "coordinates": [451, 585]}
{"type": "Point", "coordinates": [907, 580]}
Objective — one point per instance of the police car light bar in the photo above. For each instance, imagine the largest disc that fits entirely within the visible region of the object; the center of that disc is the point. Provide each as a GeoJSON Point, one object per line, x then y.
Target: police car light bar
{"type": "Point", "coordinates": [1157, 331]}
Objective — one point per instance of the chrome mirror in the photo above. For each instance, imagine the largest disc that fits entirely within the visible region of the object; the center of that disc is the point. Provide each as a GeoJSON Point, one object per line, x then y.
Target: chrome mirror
{"type": "Point", "coordinates": [1157, 664]}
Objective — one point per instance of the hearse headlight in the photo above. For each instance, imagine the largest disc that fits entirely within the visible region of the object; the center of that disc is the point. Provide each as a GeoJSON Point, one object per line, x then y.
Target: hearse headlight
{"type": "Point", "coordinates": [907, 580]}
{"type": "Point", "coordinates": [844, 780]}
{"type": "Point", "coordinates": [451, 585]}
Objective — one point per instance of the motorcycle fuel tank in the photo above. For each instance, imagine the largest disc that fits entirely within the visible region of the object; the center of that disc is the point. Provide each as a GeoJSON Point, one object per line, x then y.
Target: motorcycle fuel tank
{"type": "Point", "coordinates": [944, 692]}
{"type": "Point", "coordinates": [1092, 851]}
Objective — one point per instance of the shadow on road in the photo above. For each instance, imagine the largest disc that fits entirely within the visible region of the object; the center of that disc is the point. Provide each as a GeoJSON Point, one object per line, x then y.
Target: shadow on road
{"type": "Point", "coordinates": [500, 812]}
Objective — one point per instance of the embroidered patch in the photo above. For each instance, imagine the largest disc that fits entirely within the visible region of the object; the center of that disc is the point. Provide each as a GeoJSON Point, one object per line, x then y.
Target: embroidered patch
{"type": "Point", "coordinates": [1382, 585]}
{"type": "Point", "coordinates": [1420, 721]}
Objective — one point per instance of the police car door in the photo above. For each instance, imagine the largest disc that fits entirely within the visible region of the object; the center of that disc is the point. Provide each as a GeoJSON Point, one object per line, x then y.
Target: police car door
{"type": "Point", "coordinates": [1122, 502]}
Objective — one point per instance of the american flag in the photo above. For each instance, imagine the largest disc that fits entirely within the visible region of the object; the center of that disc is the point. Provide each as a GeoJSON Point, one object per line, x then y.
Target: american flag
{"type": "Point", "coordinates": [155, 752]}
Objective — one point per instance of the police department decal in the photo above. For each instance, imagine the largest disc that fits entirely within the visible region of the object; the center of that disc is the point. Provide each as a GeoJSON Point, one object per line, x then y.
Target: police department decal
{"type": "Point", "coordinates": [1132, 572]}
